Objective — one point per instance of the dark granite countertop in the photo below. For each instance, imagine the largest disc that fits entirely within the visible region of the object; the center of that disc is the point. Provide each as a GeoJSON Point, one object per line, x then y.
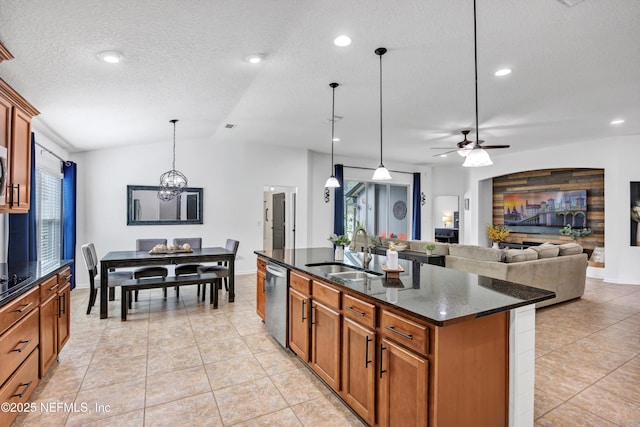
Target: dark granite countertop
{"type": "Point", "coordinates": [29, 274]}
{"type": "Point", "coordinates": [439, 295]}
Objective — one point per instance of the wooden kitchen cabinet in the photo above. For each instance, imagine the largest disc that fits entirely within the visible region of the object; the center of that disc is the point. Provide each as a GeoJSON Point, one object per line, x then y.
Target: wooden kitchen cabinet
{"type": "Point", "coordinates": [299, 331]}
{"type": "Point", "coordinates": [16, 137]}
{"type": "Point", "coordinates": [261, 277]}
{"type": "Point", "coordinates": [359, 369]}
{"type": "Point", "coordinates": [55, 317]}
{"type": "Point", "coordinates": [404, 391]}
{"type": "Point", "coordinates": [325, 343]}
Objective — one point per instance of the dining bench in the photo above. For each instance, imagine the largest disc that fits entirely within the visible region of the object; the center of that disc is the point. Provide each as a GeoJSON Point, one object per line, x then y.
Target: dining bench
{"type": "Point", "coordinates": [166, 282]}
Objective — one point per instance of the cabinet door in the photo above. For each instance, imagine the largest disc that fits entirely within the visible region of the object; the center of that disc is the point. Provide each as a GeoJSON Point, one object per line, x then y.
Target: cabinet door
{"type": "Point", "coordinates": [20, 159]}
{"type": "Point", "coordinates": [325, 344]}
{"type": "Point", "coordinates": [5, 122]}
{"type": "Point", "coordinates": [403, 386]}
{"type": "Point", "coordinates": [359, 369]}
{"type": "Point", "coordinates": [260, 293]}
{"type": "Point", "coordinates": [48, 333]}
{"type": "Point", "coordinates": [64, 316]}
{"type": "Point", "coordinates": [299, 324]}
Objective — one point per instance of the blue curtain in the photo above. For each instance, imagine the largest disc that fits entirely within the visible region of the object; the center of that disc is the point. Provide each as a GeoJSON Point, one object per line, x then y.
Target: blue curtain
{"type": "Point", "coordinates": [23, 238]}
{"type": "Point", "coordinates": [417, 207]}
{"type": "Point", "coordinates": [69, 183]}
{"type": "Point", "coordinates": [338, 202]}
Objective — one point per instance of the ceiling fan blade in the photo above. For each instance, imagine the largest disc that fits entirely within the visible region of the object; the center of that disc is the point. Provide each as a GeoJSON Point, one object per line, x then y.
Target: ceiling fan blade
{"type": "Point", "coordinates": [445, 153]}
{"type": "Point", "coordinates": [489, 147]}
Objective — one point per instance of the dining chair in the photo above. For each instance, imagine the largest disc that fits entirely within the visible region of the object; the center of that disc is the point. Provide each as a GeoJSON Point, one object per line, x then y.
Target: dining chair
{"type": "Point", "coordinates": [185, 269]}
{"type": "Point", "coordinates": [152, 270]}
{"type": "Point", "coordinates": [221, 270]}
{"type": "Point", "coordinates": [91, 262]}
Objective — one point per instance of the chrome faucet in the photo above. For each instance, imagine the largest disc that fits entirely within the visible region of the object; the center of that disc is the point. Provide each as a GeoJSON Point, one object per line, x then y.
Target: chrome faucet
{"type": "Point", "coordinates": [366, 252]}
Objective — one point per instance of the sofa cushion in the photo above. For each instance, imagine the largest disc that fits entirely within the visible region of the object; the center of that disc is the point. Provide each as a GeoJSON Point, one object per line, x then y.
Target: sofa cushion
{"type": "Point", "coordinates": [546, 251]}
{"type": "Point", "coordinates": [519, 255]}
{"type": "Point", "coordinates": [477, 252]}
{"type": "Point", "coordinates": [569, 249]}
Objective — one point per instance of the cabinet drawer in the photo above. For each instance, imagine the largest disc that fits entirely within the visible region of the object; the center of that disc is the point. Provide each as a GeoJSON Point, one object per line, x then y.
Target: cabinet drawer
{"type": "Point", "coordinates": [300, 282]}
{"type": "Point", "coordinates": [405, 332]}
{"type": "Point", "coordinates": [17, 343]}
{"type": "Point", "coordinates": [48, 288]}
{"type": "Point", "coordinates": [64, 276]}
{"type": "Point", "coordinates": [19, 387]}
{"type": "Point", "coordinates": [326, 295]}
{"type": "Point", "coordinates": [359, 311]}
{"type": "Point", "coordinates": [14, 311]}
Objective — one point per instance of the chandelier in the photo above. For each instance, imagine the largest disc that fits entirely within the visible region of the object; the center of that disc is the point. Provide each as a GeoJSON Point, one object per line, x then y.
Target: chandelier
{"type": "Point", "coordinates": [172, 182]}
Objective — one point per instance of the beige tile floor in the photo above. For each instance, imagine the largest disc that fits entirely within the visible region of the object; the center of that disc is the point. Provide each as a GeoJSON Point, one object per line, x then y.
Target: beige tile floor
{"type": "Point", "coordinates": [181, 363]}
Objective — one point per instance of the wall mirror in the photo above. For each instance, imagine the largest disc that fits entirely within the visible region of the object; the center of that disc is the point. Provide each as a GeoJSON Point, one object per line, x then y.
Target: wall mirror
{"type": "Point", "coordinates": [144, 207]}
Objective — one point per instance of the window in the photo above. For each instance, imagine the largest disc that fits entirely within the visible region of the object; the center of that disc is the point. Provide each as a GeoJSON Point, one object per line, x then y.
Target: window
{"type": "Point", "coordinates": [49, 211]}
{"type": "Point", "coordinates": [380, 208]}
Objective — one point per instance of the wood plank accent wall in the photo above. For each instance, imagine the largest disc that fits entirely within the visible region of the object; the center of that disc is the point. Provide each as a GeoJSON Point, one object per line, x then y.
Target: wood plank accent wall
{"type": "Point", "coordinates": [591, 180]}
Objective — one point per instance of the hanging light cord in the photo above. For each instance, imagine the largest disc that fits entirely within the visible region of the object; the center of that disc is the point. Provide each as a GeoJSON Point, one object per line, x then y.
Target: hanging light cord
{"type": "Point", "coordinates": [333, 120]}
{"type": "Point", "coordinates": [174, 144]}
{"type": "Point", "coordinates": [475, 60]}
{"type": "Point", "coordinates": [381, 106]}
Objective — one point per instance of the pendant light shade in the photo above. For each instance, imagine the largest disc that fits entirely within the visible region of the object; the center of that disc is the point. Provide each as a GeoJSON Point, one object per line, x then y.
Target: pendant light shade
{"type": "Point", "coordinates": [381, 174]}
{"type": "Point", "coordinates": [172, 182]}
{"type": "Point", "coordinates": [476, 156]}
{"type": "Point", "coordinates": [332, 181]}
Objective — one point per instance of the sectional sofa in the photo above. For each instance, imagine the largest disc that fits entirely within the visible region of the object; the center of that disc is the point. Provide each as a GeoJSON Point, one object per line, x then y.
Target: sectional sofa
{"type": "Point", "coordinates": [558, 268]}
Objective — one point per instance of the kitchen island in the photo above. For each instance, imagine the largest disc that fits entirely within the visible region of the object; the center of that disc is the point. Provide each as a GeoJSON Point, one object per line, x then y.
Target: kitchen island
{"type": "Point", "coordinates": [435, 346]}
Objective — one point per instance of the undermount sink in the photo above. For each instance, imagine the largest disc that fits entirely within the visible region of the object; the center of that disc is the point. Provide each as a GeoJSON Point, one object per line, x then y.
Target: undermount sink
{"type": "Point", "coordinates": [343, 272]}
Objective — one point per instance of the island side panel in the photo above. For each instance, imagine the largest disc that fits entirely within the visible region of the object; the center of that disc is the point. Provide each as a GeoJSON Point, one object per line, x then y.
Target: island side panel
{"type": "Point", "coordinates": [470, 373]}
{"type": "Point", "coordinates": [522, 365]}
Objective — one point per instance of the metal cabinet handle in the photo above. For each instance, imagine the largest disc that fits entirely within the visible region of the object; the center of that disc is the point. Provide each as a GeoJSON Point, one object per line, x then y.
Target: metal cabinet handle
{"type": "Point", "coordinates": [51, 289]}
{"type": "Point", "coordinates": [366, 351]}
{"type": "Point", "coordinates": [382, 348]}
{"type": "Point", "coordinates": [26, 387]}
{"type": "Point", "coordinates": [18, 194]}
{"type": "Point", "coordinates": [302, 311]}
{"type": "Point", "coordinates": [61, 304]}
{"type": "Point", "coordinates": [402, 334]}
{"type": "Point", "coordinates": [24, 307]}
{"type": "Point", "coordinates": [359, 313]}
{"type": "Point", "coordinates": [24, 345]}
{"type": "Point", "coordinates": [312, 307]}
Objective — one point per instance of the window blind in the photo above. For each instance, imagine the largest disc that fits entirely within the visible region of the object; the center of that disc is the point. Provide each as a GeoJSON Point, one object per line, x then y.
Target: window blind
{"type": "Point", "coordinates": [49, 210]}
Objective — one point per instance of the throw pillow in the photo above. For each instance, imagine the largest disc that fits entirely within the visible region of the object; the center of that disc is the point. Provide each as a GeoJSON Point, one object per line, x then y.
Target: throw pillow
{"type": "Point", "coordinates": [546, 251]}
{"type": "Point", "coordinates": [519, 255]}
{"type": "Point", "coordinates": [570, 249]}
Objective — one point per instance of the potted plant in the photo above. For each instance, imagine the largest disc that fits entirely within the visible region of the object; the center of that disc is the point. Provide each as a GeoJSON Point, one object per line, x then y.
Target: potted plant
{"type": "Point", "coordinates": [430, 247]}
{"type": "Point", "coordinates": [340, 242]}
{"type": "Point", "coordinates": [575, 233]}
{"type": "Point", "coordinates": [497, 234]}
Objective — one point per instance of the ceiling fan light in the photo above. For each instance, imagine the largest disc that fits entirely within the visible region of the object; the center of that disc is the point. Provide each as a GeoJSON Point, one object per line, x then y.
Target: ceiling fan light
{"type": "Point", "coordinates": [381, 174]}
{"type": "Point", "coordinates": [477, 158]}
{"type": "Point", "coordinates": [332, 182]}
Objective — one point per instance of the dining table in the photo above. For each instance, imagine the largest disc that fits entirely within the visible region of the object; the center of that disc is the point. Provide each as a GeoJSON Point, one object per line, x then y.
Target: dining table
{"type": "Point", "coordinates": [128, 259]}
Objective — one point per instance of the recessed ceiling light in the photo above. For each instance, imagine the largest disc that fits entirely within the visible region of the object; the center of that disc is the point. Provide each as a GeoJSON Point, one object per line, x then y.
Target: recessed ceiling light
{"type": "Point", "coordinates": [110, 56]}
{"type": "Point", "coordinates": [254, 58]}
{"type": "Point", "coordinates": [336, 139]}
{"type": "Point", "coordinates": [502, 72]}
{"type": "Point", "coordinates": [617, 121]}
{"type": "Point", "coordinates": [342, 41]}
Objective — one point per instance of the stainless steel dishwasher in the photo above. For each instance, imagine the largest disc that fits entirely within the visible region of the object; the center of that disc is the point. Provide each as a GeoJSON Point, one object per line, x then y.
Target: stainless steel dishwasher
{"type": "Point", "coordinates": [276, 302]}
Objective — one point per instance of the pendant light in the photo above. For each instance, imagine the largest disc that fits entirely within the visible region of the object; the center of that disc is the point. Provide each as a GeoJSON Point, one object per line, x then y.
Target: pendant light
{"type": "Point", "coordinates": [172, 182]}
{"type": "Point", "coordinates": [381, 174]}
{"type": "Point", "coordinates": [477, 156]}
{"type": "Point", "coordinates": [332, 181]}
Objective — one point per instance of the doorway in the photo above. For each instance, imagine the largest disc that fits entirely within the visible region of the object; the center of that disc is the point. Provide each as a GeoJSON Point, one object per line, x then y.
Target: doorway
{"type": "Point", "coordinates": [279, 215]}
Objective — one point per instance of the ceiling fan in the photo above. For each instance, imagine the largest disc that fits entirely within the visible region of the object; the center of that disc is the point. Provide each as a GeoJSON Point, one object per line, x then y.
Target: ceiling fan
{"type": "Point", "coordinates": [465, 146]}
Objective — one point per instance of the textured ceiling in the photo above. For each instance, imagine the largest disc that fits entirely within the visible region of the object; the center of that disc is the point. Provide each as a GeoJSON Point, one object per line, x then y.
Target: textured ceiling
{"type": "Point", "coordinates": [574, 70]}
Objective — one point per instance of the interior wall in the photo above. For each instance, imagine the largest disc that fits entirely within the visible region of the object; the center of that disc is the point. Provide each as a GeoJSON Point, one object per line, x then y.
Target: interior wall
{"type": "Point", "coordinates": [617, 156]}
{"type": "Point", "coordinates": [232, 177]}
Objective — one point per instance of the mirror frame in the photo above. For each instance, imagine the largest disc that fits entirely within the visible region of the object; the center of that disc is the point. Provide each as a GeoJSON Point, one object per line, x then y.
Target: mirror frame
{"type": "Point", "coordinates": [132, 221]}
